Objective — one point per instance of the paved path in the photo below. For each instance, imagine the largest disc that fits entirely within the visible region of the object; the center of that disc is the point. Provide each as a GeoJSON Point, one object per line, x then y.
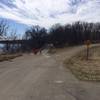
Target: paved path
{"type": "Point", "coordinates": [43, 77]}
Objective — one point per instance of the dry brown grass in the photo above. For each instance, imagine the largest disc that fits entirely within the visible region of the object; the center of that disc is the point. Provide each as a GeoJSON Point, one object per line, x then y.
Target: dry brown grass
{"type": "Point", "coordinates": [88, 70]}
{"type": "Point", "coordinates": [5, 57]}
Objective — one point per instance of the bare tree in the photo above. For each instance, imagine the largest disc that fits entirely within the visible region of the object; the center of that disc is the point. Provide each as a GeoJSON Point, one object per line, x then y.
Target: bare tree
{"type": "Point", "coordinates": [36, 37]}
{"type": "Point", "coordinates": [13, 36]}
{"type": "Point", "coordinates": [3, 28]}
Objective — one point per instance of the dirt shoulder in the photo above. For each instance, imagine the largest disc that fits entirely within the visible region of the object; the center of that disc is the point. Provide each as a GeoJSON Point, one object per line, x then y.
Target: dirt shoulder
{"type": "Point", "coordinates": [5, 57]}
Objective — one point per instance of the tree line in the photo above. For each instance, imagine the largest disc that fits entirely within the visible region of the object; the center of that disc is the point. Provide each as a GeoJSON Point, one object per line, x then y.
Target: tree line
{"type": "Point", "coordinates": [58, 35]}
{"type": "Point", "coordinates": [61, 35]}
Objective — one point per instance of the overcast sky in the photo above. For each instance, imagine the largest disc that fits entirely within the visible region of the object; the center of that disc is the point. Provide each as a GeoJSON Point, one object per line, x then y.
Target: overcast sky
{"type": "Point", "coordinates": [48, 12]}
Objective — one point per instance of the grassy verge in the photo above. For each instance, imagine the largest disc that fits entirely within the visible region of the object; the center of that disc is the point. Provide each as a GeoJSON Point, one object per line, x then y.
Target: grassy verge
{"type": "Point", "coordinates": [86, 70]}
{"type": "Point", "coordinates": [5, 57]}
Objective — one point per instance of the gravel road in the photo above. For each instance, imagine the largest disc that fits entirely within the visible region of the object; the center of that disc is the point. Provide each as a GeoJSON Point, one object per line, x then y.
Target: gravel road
{"type": "Point", "coordinates": [44, 77]}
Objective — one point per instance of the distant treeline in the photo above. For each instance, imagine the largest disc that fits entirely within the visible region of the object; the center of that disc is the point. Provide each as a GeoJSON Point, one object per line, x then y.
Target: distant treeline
{"type": "Point", "coordinates": [62, 35]}
{"type": "Point", "coordinates": [58, 35]}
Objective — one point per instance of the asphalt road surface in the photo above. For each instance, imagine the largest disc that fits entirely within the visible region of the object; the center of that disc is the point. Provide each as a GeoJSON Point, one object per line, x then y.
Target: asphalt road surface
{"type": "Point", "coordinates": [44, 77]}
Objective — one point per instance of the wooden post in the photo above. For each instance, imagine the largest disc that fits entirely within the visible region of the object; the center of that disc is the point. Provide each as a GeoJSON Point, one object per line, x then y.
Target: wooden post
{"type": "Point", "coordinates": [88, 49]}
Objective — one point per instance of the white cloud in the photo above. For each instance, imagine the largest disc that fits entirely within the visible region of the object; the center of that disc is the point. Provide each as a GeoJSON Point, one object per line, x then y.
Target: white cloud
{"type": "Point", "coordinates": [48, 12]}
